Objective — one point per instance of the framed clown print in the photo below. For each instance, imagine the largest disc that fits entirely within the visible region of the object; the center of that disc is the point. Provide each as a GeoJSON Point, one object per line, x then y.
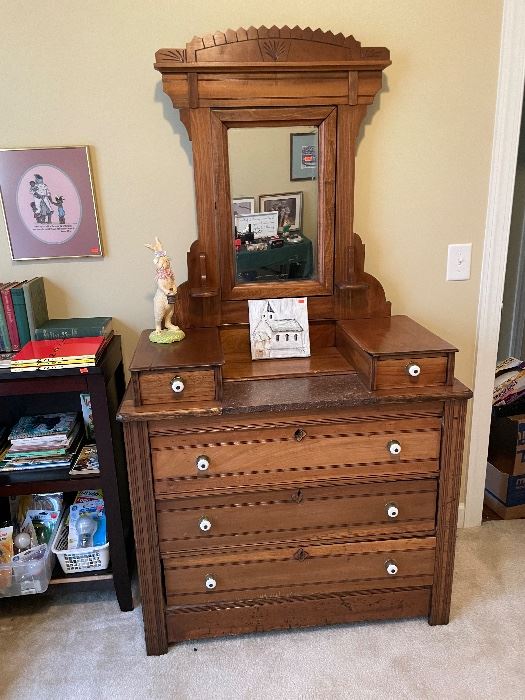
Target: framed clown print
{"type": "Point", "coordinates": [48, 203]}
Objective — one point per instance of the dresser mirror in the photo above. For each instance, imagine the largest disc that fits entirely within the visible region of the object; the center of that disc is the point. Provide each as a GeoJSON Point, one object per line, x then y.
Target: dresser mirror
{"type": "Point", "coordinates": [274, 192]}
{"type": "Point", "coordinates": [273, 116]}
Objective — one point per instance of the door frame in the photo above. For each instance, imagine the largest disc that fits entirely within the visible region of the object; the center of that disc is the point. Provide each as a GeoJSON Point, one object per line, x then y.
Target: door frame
{"type": "Point", "coordinates": [509, 101]}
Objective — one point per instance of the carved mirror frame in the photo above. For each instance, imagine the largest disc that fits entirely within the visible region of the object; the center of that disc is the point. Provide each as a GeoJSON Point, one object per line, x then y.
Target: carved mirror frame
{"type": "Point", "coordinates": [253, 77]}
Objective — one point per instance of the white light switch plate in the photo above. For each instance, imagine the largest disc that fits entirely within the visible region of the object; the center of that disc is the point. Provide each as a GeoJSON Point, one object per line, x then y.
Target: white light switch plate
{"type": "Point", "coordinates": [458, 261]}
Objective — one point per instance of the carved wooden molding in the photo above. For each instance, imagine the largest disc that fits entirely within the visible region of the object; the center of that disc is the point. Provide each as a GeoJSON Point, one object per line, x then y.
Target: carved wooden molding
{"type": "Point", "coordinates": [278, 45]}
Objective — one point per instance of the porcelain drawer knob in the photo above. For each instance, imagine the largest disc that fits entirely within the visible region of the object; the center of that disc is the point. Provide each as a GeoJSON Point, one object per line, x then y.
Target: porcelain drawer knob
{"type": "Point", "coordinates": [177, 385]}
{"type": "Point", "coordinates": [391, 567]}
{"type": "Point", "coordinates": [210, 583]}
{"type": "Point", "coordinates": [413, 370]}
{"type": "Point", "coordinates": [202, 463]}
{"type": "Point", "coordinates": [205, 525]}
{"type": "Point", "coordinates": [394, 447]}
{"type": "Point", "coordinates": [392, 510]}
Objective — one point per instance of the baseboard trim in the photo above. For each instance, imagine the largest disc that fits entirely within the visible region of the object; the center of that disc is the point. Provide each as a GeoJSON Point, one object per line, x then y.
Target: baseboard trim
{"type": "Point", "coordinates": [461, 515]}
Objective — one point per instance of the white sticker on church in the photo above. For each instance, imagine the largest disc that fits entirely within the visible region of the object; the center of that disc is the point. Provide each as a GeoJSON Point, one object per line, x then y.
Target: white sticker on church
{"type": "Point", "coordinates": [279, 328]}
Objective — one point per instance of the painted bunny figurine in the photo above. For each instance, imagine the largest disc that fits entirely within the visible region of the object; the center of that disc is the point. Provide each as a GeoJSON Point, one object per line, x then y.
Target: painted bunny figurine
{"type": "Point", "coordinates": [166, 288]}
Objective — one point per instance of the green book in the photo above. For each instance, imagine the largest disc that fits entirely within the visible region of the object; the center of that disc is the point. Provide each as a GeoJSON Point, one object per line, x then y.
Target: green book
{"type": "Point", "coordinates": [36, 304]}
{"type": "Point", "coordinates": [19, 306]}
{"type": "Point", "coordinates": [56, 328]}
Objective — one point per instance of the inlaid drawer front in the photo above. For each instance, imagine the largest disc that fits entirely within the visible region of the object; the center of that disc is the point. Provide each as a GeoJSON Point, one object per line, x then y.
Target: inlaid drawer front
{"type": "Point", "coordinates": [192, 463]}
{"type": "Point", "coordinates": [302, 570]}
{"type": "Point", "coordinates": [302, 514]}
{"type": "Point", "coordinates": [169, 387]}
{"type": "Point", "coordinates": [405, 372]}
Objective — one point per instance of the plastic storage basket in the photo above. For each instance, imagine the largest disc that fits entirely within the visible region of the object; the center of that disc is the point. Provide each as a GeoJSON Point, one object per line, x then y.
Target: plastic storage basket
{"type": "Point", "coordinates": [30, 571]}
{"type": "Point", "coordinates": [76, 560]}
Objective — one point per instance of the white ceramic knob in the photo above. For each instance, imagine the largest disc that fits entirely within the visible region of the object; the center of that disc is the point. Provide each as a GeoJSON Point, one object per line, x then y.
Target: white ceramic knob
{"type": "Point", "coordinates": [210, 583]}
{"type": "Point", "coordinates": [202, 463]}
{"type": "Point", "coordinates": [177, 385]}
{"type": "Point", "coordinates": [205, 525]}
{"type": "Point", "coordinates": [413, 370]}
{"type": "Point", "coordinates": [392, 510]}
{"type": "Point", "coordinates": [391, 567]}
{"type": "Point", "coordinates": [394, 447]}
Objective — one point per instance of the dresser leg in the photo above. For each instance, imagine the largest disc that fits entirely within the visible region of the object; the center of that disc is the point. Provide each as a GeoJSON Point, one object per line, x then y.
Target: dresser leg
{"type": "Point", "coordinates": [447, 510]}
{"type": "Point", "coordinates": [146, 540]}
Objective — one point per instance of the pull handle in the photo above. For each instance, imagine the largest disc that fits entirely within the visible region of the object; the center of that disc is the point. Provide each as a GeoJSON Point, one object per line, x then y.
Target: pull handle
{"type": "Point", "coordinates": [202, 462]}
{"type": "Point", "coordinates": [210, 582]}
{"type": "Point", "coordinates": [392, 510]}
{"type": "Point", "coordinates": [205, 524]}
{"type": "Point", "coordinates": [391, 567]}
{"type": "Point", "coordinates": [177, 385]}
{"type": "Point", "coordinates": [394, 447]}
{"type": "Point", "coordinates": [413, 369]}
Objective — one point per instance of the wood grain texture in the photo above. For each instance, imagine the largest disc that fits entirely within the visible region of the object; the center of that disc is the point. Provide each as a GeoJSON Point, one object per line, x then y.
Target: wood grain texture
{"type": "Point", "coordinates": [394, 373]}
{"type": "Point", "coordinates": [297, 570]}
{"type": "Point", "coordinates": [198, 622]}
{"type": "Point", "coordinates": [447, 515]}
{"type": "Point", "coordinates": [303, 515]}
{"type": "Point", "coordinates": [281, 47]}
{"type": "Point", "coordinates": [146, 538]}
{"type": "Point", "coordinates": [155, 387]}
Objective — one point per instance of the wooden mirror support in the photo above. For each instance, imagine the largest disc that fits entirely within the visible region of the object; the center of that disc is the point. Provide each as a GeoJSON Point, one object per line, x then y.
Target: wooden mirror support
{"type": "Point", "coordinates": [293, 492]}
{"type": "Point", "coordinates": [274, 76]}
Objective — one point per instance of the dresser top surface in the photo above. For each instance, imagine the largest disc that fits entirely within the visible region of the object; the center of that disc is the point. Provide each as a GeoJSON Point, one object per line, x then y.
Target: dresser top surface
{"type": "Point", "coordinates": [394, 335]}
{"type": "Point", "coordinates": [200, 348]}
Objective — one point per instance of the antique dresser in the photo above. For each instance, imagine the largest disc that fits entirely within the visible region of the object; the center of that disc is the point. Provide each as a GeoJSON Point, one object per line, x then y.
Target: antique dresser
{"type": "Point", "coordinates": [291, 491]}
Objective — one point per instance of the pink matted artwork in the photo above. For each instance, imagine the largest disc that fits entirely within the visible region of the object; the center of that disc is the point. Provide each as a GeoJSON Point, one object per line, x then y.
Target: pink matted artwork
{"type": "Point", "coordinates": [48, 202]}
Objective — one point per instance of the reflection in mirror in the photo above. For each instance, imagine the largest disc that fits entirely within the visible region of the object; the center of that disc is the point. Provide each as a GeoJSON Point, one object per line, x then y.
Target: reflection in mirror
{"type": "Point", "coordinates": [274, 189]}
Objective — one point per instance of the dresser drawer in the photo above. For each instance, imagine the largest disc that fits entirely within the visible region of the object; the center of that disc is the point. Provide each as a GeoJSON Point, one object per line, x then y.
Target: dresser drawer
{"type": "Point", "coordinates": [307, 570]}
{"type": "Point", "coordinates": [284, 455]}
{"type": "Point", "coordinates": [297, 515]}
{"type": "Point", "coordinates": [172, 386]}
{"type": "Point", "coordinates": [411, 372]}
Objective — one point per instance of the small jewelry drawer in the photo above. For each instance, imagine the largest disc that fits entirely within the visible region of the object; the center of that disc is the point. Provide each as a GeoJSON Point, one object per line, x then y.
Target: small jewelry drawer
{"type": "Point", "coordinates": [298, 570]}
{"type": "Point", "coordinates": [335, 513]}
{"type": "Point", "coordinates": [398, 373]}
{"type": "Point", "coordinates": [173, 386]}
{"type": "Point", "coordinates": [395, 353]}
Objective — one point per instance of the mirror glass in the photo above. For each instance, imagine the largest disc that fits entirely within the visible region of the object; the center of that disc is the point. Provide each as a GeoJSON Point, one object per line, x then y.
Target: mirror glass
{"type": "Point", "coordinates": [274, 189]}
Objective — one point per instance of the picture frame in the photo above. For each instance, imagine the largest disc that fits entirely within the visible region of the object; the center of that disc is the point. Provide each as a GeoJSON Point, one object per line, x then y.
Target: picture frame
{"type": "Point", "coordinates": [243, 206]}
{"type": "Point", "coordinates": [48, 203]}
{"type": "Point", "coordinates": [304, 155]}
{"type": "Point", "coordinates": [279, 328]}
{"type": "Point", "coordinates": [263, 224]}
{"type": "Point", "coordinates": [289, 207]}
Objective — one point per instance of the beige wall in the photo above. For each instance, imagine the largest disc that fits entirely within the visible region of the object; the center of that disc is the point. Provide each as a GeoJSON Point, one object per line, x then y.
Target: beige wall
{"type": "Point", "coordinates": [81, 73]}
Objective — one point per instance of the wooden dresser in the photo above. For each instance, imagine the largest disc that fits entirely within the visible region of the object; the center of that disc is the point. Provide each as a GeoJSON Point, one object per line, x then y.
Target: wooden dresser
{"type": "Point", "coordinates": [285, 493]}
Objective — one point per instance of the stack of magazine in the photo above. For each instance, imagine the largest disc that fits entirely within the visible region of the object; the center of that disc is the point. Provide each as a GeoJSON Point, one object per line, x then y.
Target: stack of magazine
{"type": "Point", "coordinates": [44, 441]}
{"type": "Point", "coordinates": [63, 353]}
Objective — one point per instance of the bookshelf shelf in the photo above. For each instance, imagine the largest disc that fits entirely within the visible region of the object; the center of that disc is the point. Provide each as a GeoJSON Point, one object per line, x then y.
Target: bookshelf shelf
{"type": "Point", "coordinates": [58, 390]}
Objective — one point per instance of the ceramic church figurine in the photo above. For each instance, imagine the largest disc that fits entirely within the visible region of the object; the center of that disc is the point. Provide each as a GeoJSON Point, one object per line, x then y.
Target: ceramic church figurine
{"type": "Point", "coordinates": [164, 299]}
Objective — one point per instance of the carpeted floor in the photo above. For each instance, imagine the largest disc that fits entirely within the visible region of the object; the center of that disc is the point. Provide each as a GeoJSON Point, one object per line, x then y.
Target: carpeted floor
{"type": "Point", "coordinates": [81, 646]}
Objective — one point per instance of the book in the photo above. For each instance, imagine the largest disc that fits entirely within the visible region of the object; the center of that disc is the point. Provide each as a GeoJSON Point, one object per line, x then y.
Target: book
{"type": "Point", "coordinates": [56, 353]}
{"type": "Point", "coordinates": [74, 328]}
{"type": "Point", "coordinates": [5, 359]}
{"type": "Point", "coordinates": [43, 425]}
{"type": "Point", "coordinates": [9, 311]}
{"type": "Point", "coordinates": [36, 304]}
{"type": "Point", "coordinates": [86, 463]}
{"type": "Point", "coordinates": [5, 342]}
{"type": "Point", "coordinates": [19, 307]}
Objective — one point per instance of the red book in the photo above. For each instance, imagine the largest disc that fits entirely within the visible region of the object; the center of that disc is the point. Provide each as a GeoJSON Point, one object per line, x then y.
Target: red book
{"type": "Point", "coordinates": [9, 311]}
{"type": "Point", "coordinates": [75, 351]}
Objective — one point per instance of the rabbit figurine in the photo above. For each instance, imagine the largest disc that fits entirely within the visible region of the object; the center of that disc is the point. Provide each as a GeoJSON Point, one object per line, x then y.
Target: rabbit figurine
{"type": "Point", "coordinates": [163, 301]}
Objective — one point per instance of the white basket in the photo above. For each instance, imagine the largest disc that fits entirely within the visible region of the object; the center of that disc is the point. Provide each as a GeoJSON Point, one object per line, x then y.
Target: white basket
{"type": "Point", "coordinates": [74, 561]}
